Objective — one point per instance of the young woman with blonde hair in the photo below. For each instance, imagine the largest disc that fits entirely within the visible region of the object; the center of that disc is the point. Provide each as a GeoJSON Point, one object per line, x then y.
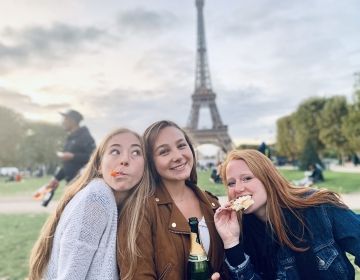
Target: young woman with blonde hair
{"type": "Point", "coordinates": [78, 240]}
{"type": "Point", "coordinates": [289, 232]}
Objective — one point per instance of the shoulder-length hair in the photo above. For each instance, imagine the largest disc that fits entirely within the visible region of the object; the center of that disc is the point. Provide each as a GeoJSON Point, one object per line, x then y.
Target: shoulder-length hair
{"type": "Point", "coordinates": [150, 135]}
{"type": "Point", "coordinates": [281, 194]}
{"type": "Point", "coordinates": [41, 251]}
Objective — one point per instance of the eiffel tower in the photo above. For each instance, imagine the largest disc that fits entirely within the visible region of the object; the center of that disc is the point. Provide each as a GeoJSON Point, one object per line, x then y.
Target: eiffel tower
{"type": "Point", "coordinates": [205, 97]}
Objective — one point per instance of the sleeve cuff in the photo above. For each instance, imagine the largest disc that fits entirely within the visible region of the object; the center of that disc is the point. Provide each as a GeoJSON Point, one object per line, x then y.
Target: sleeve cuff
{"type": "Point", "coordinates": [235, 255]}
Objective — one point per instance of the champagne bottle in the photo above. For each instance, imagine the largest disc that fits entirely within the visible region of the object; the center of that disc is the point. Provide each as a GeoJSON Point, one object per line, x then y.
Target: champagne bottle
{"type": "Point", "coordinates": [198, 263]}
{"type": "Point", "coordinates": [47, 198]}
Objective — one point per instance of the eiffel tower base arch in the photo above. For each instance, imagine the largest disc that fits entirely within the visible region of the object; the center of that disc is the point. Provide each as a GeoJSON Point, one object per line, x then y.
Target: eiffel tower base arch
{"type": "Point", "coordinates": [216, 136]}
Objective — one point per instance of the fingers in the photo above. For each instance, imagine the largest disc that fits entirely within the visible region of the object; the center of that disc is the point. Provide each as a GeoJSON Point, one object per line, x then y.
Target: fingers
{"type": "Point", "coordinates": [227, 204]}
{"type": "Point", "coordinates": [215, 276]}
{"type": "Point", "coordinates": [222, 211]}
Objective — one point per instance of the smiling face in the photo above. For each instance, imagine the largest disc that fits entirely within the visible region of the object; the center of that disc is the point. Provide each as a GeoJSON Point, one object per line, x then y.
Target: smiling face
{"type": "Point", "coordinates": [122, 165]}
{"type": "Point", "coordinates": [172, 155]}
{"type": "Point", "coordinates": [241, 181]}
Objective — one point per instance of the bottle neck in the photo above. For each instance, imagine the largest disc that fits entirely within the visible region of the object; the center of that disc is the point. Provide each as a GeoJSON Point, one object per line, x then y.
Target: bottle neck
{"type": "Point", "coordinates": [196, 247]}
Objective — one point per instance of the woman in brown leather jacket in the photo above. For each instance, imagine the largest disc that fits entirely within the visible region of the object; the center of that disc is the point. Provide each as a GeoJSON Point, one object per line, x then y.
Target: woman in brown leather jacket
{"type": "Point", "coordinates": [164, 237]}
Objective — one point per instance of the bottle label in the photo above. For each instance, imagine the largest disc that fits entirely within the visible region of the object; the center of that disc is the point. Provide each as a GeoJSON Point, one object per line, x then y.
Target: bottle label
{"type": "Point", "coordinates": [197, 258]}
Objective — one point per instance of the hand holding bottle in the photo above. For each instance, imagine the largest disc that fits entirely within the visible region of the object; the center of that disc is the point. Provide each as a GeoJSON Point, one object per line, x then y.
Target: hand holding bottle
{"type": "Point", "coordinates": [43, 190]}
{"type": "Point", "coordinates": [227, 225]}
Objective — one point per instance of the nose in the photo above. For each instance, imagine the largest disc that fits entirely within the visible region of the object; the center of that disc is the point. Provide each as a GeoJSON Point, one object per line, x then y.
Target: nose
{"type": "Point", "coordinates": [124, 160]}
{"type": "Point", "coordinates": [177, 155]}
{"type": "Point", "coordinates": [239, 187]}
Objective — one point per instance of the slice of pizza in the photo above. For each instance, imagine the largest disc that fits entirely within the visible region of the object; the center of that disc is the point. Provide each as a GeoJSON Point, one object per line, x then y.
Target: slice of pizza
{"type": "Point", "coordinates": [241, 203]}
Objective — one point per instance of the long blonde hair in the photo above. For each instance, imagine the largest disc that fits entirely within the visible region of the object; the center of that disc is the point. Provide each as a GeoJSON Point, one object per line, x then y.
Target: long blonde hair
{"type": "Point", "coordinates": [280, 193]}
{"type": "Point", "coordinates": [131, 218]}
{"type": "Point", "coordinates": [41, 251]}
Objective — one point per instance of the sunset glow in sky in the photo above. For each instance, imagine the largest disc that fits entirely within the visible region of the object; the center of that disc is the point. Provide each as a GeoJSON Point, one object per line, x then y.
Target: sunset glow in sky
{"type": "Point", "coordinates": [130, 63]}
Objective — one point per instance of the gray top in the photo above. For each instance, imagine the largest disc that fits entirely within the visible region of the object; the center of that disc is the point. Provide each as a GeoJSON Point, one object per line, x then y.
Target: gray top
{"type": "Point", "coordinates": [84, 245]}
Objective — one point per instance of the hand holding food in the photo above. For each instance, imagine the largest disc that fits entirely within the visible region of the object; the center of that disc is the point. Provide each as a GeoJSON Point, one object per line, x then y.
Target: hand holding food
{"type": "Point", "coordinates": [43, 190]}
{"type": "Point", "coordinates": [227, 225]}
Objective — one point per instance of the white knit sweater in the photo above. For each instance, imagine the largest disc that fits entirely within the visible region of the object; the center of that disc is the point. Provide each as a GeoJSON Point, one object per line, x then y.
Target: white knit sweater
{"type": "Point", "coordinates": [84, 245]}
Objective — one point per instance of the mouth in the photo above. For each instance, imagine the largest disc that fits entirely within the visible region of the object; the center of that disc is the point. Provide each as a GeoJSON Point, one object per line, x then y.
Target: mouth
{"type": "Point", "coordinates": [244, 197]}
{"type": "Point", "coordinates": [116, 173]}
{"type": "Point", "coordinates": [178, 167]}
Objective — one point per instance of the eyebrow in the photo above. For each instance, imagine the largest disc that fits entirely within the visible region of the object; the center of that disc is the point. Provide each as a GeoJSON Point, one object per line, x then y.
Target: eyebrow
{"type": "Point", "coordinates": [165, 145]}
{"type": "Point", "coordinates": [132, 145]}
{"type": "Point", "coordinates": [161, 146]}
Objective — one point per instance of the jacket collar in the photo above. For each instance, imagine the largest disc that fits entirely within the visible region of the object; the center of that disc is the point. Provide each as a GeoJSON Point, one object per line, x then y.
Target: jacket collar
{"type": "Point", "coordinates": [177, 221]}
{"type": "Point", "coordinates": [162, 196]}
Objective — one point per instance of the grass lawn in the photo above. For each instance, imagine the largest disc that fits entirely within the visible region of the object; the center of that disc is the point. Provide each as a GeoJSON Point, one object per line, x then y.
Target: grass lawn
{"type": "Point", "coordinates": [26, 187]}
{"type": "Point", "coordinates": [336, 181]}
{"type": "Point", "coordinates": [17, 236]}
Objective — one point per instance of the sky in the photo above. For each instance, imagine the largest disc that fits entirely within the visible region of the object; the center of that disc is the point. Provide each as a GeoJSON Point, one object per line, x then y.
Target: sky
{"type": "Point", "coordinates": [130, 63]}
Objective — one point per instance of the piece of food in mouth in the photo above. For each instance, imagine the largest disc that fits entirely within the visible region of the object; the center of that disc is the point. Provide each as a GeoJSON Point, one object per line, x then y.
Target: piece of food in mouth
{"type": "Point", "coordinates": [241, 203]}
{"type": "Point", "coordinates": [114, 173]}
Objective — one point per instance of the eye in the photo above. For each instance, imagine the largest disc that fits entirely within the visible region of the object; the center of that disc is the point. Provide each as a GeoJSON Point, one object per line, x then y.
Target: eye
{"type": "Point", "coordinates": [246, 179]}
{"type": "Point", "coordinates": [136, 153]}
{"type": "Point", "coordinates": [114, 152]}
{"type": "Point", "coordinates": [163, 152]}
{"type": "Point", "coordinates": [182, 145]}
{"type": "Point", "coordinates": [231, 184]}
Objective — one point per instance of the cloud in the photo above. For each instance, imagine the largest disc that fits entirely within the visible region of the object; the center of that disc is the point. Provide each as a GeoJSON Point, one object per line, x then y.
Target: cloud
{"type": "Point", "coordinates": [24, 104]}
{"type": "Point", "coordinates": [146, 22]}
{"type": "Point", "coordinates": [169, 65]}
{"type": "Point", "coordinates": [44, 44]}
{"type": "Point", "coordinates": [132, 108]}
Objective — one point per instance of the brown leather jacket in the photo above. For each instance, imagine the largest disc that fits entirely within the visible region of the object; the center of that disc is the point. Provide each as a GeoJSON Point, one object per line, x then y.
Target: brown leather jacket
{"type": "Point", "coordinates": [164, 239]}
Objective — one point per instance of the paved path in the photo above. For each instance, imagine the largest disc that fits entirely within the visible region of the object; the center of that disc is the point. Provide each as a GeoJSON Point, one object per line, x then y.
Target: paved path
{"type": "Point", "coordinates": [347, 168]}
{"type": "Point", "coordinates": [17, 205]}
{"type": "Point", "coordinates": [21, 205]}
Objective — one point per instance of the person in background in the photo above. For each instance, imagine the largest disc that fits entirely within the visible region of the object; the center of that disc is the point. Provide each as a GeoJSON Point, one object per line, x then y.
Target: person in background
{"type": "Point", "coordinates": [289, 232]}
{"type": "Point", "coordinates": [313, 175]}
{"type": "Point", "coordinates": [265, 149]}
{"type": "Point", "coordinates": [165, 233]}
{"type": "Point", "coordinates": [316, 173]}
{"type": "Point", "coordinates": [215, 174]}
{"type": "Point", "coordinates": [78, 241]}
{"type": "Point", "coordinates": [77, 149]}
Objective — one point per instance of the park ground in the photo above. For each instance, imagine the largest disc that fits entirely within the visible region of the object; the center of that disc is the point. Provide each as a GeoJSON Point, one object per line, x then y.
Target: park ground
{"type": "Point", "coordinates": [21, 218]}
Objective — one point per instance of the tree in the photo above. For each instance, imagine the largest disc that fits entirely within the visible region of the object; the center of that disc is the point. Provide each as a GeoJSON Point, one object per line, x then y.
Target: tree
{"type": "Point", "coordinates": [330, 124]}
{"type": "Point", "coordinates": [308, 155]}
{"type": "Point", "coordinates": [12, 133]}
{"type": "Point", "coordinates": [40, 144]}
{"type": "Point", "coordinates": [351, 127]}
{"type": "Point", "coordinates": [307, 128]}
{"type": "Point", "coordinates": [285, 137]}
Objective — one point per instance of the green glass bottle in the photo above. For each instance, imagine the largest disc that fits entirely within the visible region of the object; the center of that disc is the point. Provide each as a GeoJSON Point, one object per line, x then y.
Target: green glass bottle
{"type": "Point", "coordinates": [198, 264]}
